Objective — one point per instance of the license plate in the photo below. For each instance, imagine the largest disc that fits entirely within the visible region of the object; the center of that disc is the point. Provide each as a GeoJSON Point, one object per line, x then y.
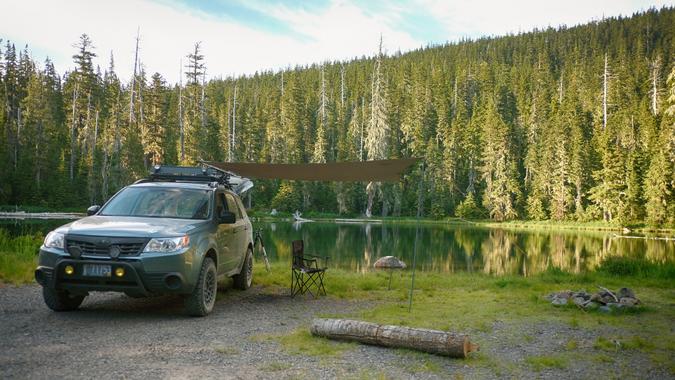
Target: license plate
{"type": "Point", "coordinates": [96, 270]}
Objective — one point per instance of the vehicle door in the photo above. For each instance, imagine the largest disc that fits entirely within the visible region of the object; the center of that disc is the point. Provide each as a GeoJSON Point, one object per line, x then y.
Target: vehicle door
{"type": "Point", "coordinates": [224, 235]}
{"type": "Point", "coordinates": [240, 230]}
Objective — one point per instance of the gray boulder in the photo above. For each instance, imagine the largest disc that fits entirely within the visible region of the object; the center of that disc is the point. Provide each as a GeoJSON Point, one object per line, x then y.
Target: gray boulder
{"type": "Point", "coordinates": [625, 293]}
{"type": "Point", "coordinates": [559, 301]}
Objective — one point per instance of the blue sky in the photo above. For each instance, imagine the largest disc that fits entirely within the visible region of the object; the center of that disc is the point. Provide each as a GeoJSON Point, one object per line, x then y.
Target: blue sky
{"type": "Point", "coordinates": [245, 36]}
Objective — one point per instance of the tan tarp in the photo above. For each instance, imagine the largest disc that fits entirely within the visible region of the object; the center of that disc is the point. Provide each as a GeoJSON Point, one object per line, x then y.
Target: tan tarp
{"type": "Point", "coordinates": [380, 171]}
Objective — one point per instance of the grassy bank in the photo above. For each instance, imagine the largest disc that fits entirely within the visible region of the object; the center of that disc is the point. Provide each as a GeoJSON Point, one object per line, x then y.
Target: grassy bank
{"type": "Point", "coordinates": [476, 304]}
{"type": "Point", "coordinates": [31, 208]}
{"type": "Point", "coordinates": [18, 257]}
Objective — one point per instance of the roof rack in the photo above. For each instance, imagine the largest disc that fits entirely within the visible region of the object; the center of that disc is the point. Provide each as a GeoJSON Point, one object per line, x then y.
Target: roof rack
{"type": "Point", "coordinates": [204, 173]}
{"type": "Point", "coordinates": [188, 174]}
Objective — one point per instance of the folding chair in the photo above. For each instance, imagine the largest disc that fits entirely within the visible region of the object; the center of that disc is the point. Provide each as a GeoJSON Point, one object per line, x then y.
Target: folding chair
{"type": "Point", "coordinates": [306, 273]}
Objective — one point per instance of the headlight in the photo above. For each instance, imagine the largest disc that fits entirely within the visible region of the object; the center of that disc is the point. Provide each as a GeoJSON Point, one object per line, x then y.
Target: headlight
{"type": "Point", "coordinates": [54, 240]}
{"type": "Point", "coordinates": [166, 245]}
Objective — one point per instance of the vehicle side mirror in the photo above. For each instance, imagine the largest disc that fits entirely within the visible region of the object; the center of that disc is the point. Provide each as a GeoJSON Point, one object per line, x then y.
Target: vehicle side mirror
{"type": "Point", "coordinates": [93, 210]}
{"type": "Point", "coordinates": [227, 217]}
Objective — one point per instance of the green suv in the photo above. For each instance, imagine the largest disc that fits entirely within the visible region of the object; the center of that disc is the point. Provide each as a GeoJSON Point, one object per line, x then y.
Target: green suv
{"type": "Point", "coordinates": [177, 232]}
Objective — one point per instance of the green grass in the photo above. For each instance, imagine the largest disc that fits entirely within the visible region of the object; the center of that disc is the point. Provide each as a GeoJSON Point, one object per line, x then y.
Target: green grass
{"type": "Point", "coordinates": [473, 303]}
{"type": "Point", "coordinates": [275, 366]}
{"type": "Point", "coordinates": [301, 342]}
{"type": "Point", "coordinates": [18, 257]}
{"type": "Point", "coordinates": [33, 208]}
{"type": "Point", "coordinates": [571, 345]}
{"type": "Point", "coordinates": [416, 362]}
{"type": "Point", "coordinates": [624, 266]}
{"type": "Point", "coordinates": [603, 358]}
{"type": "Point", "coordinates": [546, 361]}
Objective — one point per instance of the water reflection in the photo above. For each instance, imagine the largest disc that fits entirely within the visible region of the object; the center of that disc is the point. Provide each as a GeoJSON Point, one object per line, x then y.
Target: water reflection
{"type": "Point", "coordinates": [442, 248]}
{"type": "Point", "coordinates": [461, 248]}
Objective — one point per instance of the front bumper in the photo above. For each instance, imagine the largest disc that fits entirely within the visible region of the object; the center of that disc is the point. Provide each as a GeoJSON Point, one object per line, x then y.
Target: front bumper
{"type": "Point", "coordinates": [142, 275]}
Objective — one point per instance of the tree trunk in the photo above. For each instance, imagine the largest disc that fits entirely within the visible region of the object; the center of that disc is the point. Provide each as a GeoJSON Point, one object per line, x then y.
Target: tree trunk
{"type": "Point", "coordinates": [431, 341]}
{"type": "Point", "coordinates": [132, 117]}
{"type": "Point", "coordinates": [71, 166]}
{"type": "Point", "coordinates": [604, 96]}
{"type": "Point", "coordinates": [180, 115]}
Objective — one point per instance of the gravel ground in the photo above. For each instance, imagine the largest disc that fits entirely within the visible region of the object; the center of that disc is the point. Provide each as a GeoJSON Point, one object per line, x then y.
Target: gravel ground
{"type": "Point", "coordinates": [114, 336]}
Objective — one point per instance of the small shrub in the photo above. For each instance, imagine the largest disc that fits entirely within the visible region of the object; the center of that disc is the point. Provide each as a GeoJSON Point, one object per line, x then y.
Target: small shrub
{"type": "Point", "coordinates": [625, 267]}
{"type": "Point", "coordinates": [468, 209]}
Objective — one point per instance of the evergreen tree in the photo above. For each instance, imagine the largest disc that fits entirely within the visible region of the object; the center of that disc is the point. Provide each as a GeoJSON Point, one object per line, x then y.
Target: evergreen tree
{"type": "Point", "coordinates": [498, 168]}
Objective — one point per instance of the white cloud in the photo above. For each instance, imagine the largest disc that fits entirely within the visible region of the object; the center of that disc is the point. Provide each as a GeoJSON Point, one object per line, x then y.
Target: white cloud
{"type": "Point", "coordinates": [342, 30]}
{"type": "Point", "coordinates": [168, 33]}
{"type": "Point", "coordinates": [485, 18]}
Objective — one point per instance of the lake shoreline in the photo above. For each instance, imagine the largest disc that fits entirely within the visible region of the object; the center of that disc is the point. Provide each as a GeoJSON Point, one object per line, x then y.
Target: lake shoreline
{"type": "Point", "coordinates": [25, 212]}
{"type": "Point", "coordinates": [512, 224]}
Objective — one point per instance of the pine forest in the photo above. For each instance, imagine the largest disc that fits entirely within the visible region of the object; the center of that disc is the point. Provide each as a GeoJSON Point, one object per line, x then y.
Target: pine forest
{"type": "Point", "coordinates": [568, 123]}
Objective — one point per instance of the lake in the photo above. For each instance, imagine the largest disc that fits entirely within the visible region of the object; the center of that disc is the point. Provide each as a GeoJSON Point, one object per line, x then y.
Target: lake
{"type": "Point", "coordinates": [441, 247]}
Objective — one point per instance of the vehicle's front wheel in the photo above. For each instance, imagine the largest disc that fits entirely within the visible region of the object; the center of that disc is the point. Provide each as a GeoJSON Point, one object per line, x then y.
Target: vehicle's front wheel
{"type": "Point", "coordinates": [244, 279]}
{"type": "Point", "coordinates": [200, 302]}
{"type": "Point", "coordinates": [60, 300]}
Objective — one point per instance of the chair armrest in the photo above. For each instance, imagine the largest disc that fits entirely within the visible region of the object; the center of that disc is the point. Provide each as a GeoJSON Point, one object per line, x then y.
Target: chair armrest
{"type": "Point", "coordinates": [310, 262]}
{"type": "Point", "coordinates": [324, 258]}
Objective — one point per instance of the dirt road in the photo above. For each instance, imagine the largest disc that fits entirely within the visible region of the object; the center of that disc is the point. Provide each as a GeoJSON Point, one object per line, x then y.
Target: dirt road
{"type": "Point", "coordinates": [114, 336]}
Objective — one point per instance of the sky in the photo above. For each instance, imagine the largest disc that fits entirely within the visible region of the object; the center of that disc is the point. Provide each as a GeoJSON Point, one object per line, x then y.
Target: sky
{"type": "Point", "coordinates": [241, 37]}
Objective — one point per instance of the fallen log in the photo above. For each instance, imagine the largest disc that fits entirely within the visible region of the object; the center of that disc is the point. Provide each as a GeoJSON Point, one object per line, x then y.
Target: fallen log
{"type": "Point", "coordinates": [431, 341]}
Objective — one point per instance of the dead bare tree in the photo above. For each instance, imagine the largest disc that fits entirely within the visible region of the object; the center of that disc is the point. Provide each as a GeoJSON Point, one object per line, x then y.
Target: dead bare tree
{"type": "Point", "coordinates": [132, 116]}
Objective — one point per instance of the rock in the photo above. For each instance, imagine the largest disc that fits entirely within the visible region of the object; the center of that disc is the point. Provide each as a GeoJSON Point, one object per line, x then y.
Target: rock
{"type": "Point", "coordinates": [579, 301]}
{"type": "Point", "coordinates": [628, 301]}
{"type": "Point", "coordinates": [625, 293]}
{"type": "Point", "coordinates": [565, 294]}
{"type": "Point", "coordinates": [604, 300]}
{"type": "Point", "coordinates": [389, 262]}
{"type": "Point", "coordinates": [583, 295]}
{"type": "Point", "coordinates": [559, 301]}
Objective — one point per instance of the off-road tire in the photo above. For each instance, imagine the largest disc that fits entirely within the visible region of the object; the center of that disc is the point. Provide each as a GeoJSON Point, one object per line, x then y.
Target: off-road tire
{"type": "Point", "coordinates": [200, 302]}
{"type": "Point", "coordinates": [60, 300]}
{"type": "Point", "coordinates": [243, 280]}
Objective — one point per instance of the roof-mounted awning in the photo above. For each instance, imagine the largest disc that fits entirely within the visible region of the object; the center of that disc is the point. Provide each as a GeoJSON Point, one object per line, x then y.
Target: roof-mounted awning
{"type": "Point", "coordinates": [378, 171]}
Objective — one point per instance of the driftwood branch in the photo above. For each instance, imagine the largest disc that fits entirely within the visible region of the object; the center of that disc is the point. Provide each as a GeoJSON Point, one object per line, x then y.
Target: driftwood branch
{"type": "Point", "coordinates": [431, 341]}
{"type": "Point", "coordinates": [610, 293]}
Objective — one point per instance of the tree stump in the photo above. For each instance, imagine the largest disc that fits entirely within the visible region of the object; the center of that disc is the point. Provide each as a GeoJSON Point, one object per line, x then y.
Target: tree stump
{"type": "Point", "coordinates": [431, 341]}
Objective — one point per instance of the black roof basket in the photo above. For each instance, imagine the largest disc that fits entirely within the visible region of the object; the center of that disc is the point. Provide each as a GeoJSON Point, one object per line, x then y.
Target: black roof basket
{"type": "Point", "coordinates": [204, 173]}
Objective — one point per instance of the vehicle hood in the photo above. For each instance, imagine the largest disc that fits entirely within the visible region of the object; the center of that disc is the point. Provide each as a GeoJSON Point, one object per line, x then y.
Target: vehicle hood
{"type": "Point", "coordinates": [122, 226]}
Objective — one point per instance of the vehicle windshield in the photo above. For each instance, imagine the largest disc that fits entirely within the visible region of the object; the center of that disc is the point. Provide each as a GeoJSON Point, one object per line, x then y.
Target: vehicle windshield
{"type": "Point", "coordinates": [156, 202]}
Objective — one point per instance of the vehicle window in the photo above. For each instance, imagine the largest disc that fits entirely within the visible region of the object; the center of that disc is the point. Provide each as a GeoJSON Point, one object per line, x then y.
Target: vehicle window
{"type": "Point", "coordinates": [160, 203]}
{"type": "Point", "coordinates": [242, 209]}
{"type": "Point", "coordinates": [232, 206]}
{"type": "Point", "coordinates": [221, 204]}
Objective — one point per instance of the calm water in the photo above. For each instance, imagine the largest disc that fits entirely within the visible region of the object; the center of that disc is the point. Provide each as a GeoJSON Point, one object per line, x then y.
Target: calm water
{"type": "Point", "coordinates": [442, 248]}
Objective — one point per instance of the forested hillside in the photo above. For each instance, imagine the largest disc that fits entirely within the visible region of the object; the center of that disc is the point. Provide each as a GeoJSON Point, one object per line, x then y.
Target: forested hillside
{"type": "Point", "coordinates": [569, 123]}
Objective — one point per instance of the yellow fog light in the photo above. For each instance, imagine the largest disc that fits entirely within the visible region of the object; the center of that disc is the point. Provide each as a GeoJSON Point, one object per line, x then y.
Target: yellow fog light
{"type": "Point", "coordinates": [69, 269]}
{"type": "Point", "coordinates": [119, 272]}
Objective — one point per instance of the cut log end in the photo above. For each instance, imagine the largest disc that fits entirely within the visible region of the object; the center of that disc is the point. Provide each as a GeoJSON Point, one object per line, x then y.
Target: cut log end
{"type": "Point", "coordinates": [470, 347]}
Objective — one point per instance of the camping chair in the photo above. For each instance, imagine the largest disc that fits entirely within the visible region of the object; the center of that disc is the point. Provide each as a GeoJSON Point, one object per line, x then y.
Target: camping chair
{"type": "Point", "coordinates": [306, 273]}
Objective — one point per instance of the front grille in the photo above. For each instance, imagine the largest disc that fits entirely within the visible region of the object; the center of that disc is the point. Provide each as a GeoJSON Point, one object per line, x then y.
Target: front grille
{"type": "Point", "coordinates": [100, 246]}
